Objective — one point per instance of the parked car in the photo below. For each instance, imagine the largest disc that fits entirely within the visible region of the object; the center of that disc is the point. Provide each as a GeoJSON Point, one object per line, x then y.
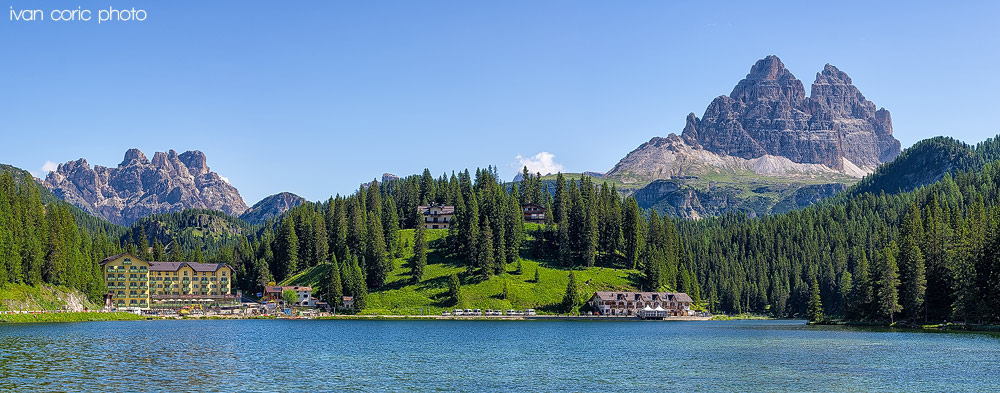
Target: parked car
{"type": "Point", "coordinates": [531, 311]}
{"type": "Point", "coordinates": [445, 313]}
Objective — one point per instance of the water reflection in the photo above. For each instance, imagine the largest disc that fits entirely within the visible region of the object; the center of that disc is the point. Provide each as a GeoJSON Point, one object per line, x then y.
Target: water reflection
{"type": "Point", "coordinates": [488, 356]}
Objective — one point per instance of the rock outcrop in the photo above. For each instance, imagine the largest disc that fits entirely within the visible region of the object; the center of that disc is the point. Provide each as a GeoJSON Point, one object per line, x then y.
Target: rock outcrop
{"type": "Point", "coordinates": [766, 131]}
{"type": "Point", "coordinates": [272, 206]}
{"type": "Point", "coordinates": [768, 113]}
{"type": "Point", "coordinates": [139, 187]}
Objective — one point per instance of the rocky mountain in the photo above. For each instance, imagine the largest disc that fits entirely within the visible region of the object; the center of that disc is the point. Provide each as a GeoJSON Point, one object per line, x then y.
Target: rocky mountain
{"type": "Point", "coordinates": [139, 187]}
{"type": "Point", "coordinates": [272, 206]}
{"type": "Point", "coordinates": [752, 150]}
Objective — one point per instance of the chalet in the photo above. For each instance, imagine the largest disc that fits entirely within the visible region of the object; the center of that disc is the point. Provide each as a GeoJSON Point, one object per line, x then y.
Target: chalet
{"type": "Point", "coordinates": [303, 294]}
{"type": "Point", "coordinates": [437, 216]}
{"type": "Point", "coordinates": [534, 213]}
{"type": "Point", "coordinates": [632, 303]}
{"type": "Point", "coordinates": [348, 302]}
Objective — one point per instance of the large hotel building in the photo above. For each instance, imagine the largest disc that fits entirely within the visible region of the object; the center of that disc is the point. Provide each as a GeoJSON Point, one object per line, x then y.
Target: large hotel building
{"type": "Point", "coordinates": [138, 284]}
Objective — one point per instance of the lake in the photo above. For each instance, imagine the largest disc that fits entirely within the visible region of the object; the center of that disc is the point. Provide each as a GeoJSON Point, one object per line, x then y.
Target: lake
{"type": "Point", "coordinates": [595, 356]}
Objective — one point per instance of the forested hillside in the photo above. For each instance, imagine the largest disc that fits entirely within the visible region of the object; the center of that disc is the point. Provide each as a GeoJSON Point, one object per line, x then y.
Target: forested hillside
{"type": "Point", "coordinates": [928, 254]}
{"type": "Point", "coordinates": [927, 162]}
{"type": "Point", "coordinates": [40, 243]}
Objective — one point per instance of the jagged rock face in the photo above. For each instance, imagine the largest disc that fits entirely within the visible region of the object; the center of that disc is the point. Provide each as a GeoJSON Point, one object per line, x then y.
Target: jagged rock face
{"type": "Point", "coordinates": [768, 114]}
{"type": "Point", "coordinates": [272, 206]}
{"type": "Point", "coordinates": [764, 148]}
{"type": "Point", "coordinates": [139, 187]}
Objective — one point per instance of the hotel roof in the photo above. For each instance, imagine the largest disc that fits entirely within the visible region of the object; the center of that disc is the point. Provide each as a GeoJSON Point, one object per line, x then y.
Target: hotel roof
{"type": "Point", "coordinates": [169, 266]}
{"type": "Point", "coordinates": [645, 296]}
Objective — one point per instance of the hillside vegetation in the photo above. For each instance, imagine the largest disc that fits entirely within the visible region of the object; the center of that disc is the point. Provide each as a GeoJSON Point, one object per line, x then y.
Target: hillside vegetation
{"type": "Point", "coordinates": [22, 297]}
{"type": "Point", "coordinates": [400, 297]}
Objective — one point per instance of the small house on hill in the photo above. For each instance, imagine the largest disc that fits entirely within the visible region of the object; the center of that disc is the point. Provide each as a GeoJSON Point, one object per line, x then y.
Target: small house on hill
{"type": "Point", "coordinates": [437, 216]}
{"type": "Point", "coordinates": [275, 293]}
{"type": "Point", "coordinates": [534, 213]}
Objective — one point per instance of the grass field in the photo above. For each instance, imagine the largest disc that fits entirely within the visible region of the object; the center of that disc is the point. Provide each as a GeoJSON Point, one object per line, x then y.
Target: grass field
{"type": "Point", "coordinates": [400, 297]}
{"type": "Point", "coordinates": [69, 317]}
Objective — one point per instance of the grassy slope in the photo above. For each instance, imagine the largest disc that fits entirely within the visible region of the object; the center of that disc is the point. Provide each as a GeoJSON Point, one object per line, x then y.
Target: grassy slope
{"type": "Point", "coordinates": [15, 297]}
{"type": "Point", "coordinates": [400, 297]}
{"type": "Point", "coordinates": [69, 317]}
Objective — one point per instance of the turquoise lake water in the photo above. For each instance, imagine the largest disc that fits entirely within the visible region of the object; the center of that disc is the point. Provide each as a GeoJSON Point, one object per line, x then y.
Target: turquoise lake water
{"type": "Point", "coordinates": [601, 356]}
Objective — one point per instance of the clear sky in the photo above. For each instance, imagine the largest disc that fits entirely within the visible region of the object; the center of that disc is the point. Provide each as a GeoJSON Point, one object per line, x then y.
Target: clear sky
{"type": "Point", "coordinates": [315, 97]}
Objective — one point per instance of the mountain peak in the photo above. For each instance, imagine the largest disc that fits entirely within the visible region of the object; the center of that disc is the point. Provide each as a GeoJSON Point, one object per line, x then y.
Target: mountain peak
{"type": "Point", "coordinates": [195, 161]}
{"type": "Point", "coordinates": [133, 155]}
{"type": "Point", "coordinates": [832, 76]}
{"type": "Point", "coordinates": [271, 206]}
{"type": "Point", "coordinates": [769, 68]}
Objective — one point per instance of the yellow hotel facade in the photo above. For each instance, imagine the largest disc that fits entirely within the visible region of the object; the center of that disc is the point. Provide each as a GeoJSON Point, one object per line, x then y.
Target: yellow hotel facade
{"type": "Point", "coordinates": [137, 284]}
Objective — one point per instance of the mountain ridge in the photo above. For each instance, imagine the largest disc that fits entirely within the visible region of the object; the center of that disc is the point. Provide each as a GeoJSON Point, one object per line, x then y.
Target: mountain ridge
{"type": "Point", "coordinates": [139, 187]}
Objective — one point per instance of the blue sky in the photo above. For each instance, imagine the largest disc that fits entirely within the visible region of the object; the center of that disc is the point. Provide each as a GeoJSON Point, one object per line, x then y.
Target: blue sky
{"type": "Point", "coordinates": [315, 97]}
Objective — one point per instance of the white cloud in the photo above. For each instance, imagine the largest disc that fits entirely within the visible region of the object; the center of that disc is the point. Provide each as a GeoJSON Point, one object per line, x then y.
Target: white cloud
{"type": "Point", "coordinates": [540, 163]}
{"type": "Point", "coordinates": [225, 179]}
{"type": "Point", "coordinates": [47, 167]}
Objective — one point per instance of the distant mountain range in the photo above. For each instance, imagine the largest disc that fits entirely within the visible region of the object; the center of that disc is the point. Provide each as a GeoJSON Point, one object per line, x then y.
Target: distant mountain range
{"type": "Point", "coordinates": [170, 182]}
{"type": "Point", "coordinates": [764, 148]}
{"type": "Point", "coordinates": [139, 187]}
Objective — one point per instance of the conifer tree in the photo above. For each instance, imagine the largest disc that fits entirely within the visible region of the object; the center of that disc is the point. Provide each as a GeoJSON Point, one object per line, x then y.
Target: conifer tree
{"type": "Point", "coordinates": [486, 261]}
{"type": "Point", "coordinates": [419, 259]}
{"type": "Point", "coordinates": [377, 262]}
{"type": "Point", "coordinates": [286, 250]}
{"type": "Point", "coordinates": [887, 282]}
{"type": "Point", "coordinates": [359, 290]}
{"type": "Point", "coordinates": [912, 271]}
{"type": "Point", "coordinates": [815, 311]}
{"type": "Point", "coordinates": [333, 289]}
{"type": "Point", "coordinates": [514, 228]}
{"type": "Point", "coordinates": [559, 203]}
{"type": "Point", "coordinates": [632, 233]}
{"type": "Point", "coordinates": [455, 290]}
{"type": "Point", "coordinates": [571, 298]}
{"type": "Point", "coordinates": [159, 254]}
{"type": "Point", "coordinates": [390, 228]}
{"type": "Point", "coordinates": [33, 246]}
{"type": "Point", "coordinates": [176, 254]}
{"type": "Point", "coordinates": [320, 239]}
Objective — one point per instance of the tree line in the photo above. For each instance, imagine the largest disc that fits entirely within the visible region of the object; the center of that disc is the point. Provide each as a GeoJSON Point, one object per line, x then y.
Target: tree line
{"type": "Point", "coordinates": [926, 255]}
{"type": "Point", "coordinates": [40, 243]}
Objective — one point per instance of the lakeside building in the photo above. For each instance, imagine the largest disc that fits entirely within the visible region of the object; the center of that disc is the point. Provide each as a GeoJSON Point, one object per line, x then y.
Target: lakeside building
{"type": "Point", "coordinates": [138, 284]}
{"type": "Point", "coordinates": [534, 213]}
{"type": "Point", "coordinates": [632, 303]}
{"type": "Point", "coordinates": [437, 216]}
{"type": "Point", "coordinates": [304, 295]}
